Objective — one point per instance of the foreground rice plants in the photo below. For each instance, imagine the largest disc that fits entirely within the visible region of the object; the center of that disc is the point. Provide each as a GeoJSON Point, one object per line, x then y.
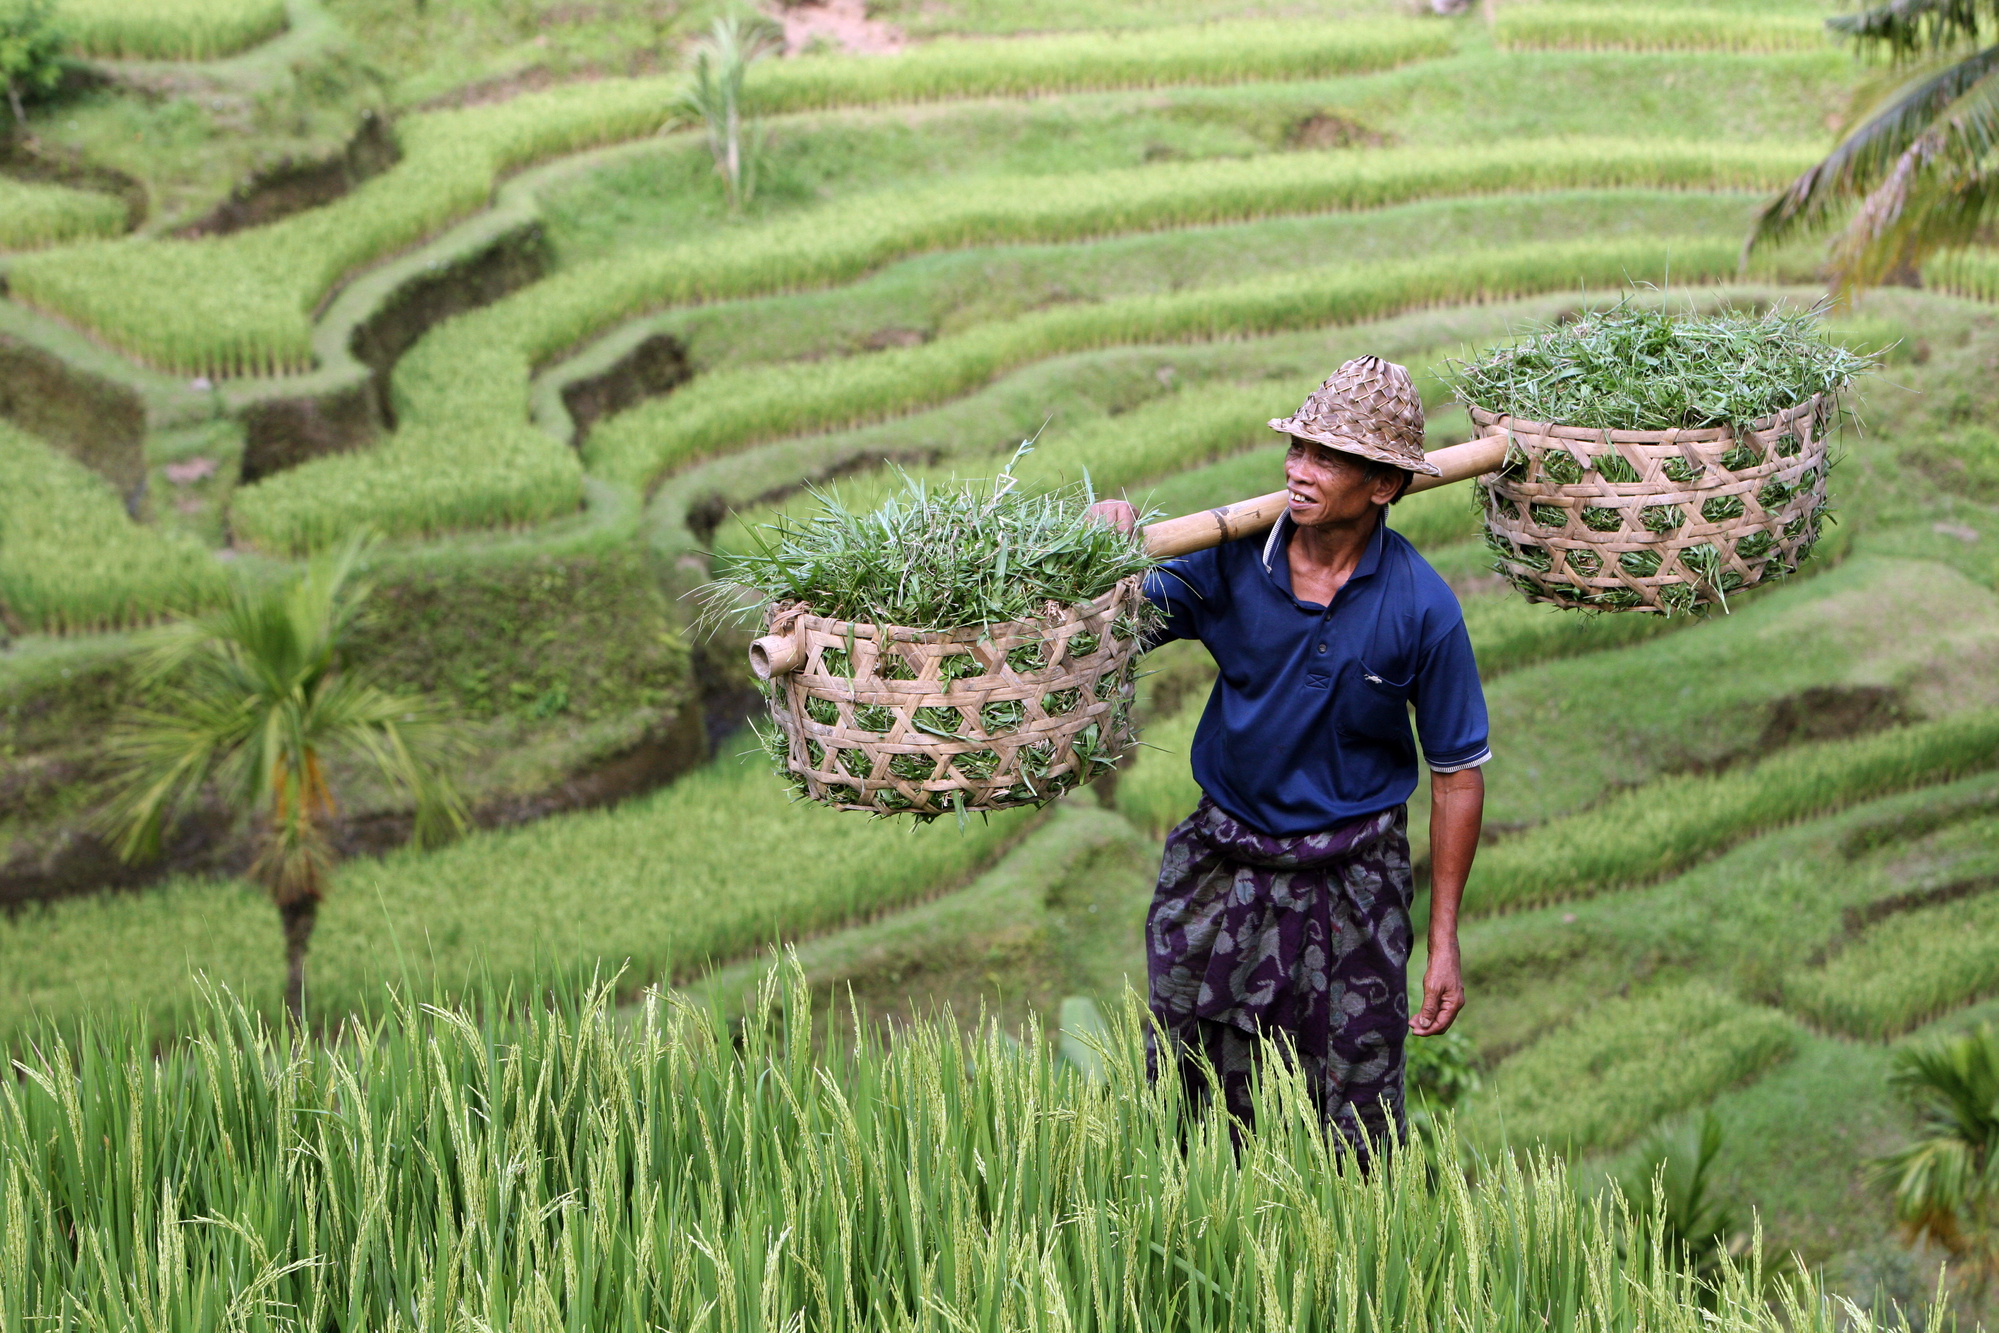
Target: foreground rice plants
{"type": "Point", "coordinates": [1600, 1081]}
{"type": "Point", "coordinates": [716, 866]}
{"type": "Point", "coordinates": [168, 29]}
{"type": "Point", "coordinates": [36, 215]}
{"type": "Point", "coordinates": [571, 1170]}
{"type": "Point", "coordinates": [72, 559]}
{"type": "Point", "coordinates": [1667, 825]}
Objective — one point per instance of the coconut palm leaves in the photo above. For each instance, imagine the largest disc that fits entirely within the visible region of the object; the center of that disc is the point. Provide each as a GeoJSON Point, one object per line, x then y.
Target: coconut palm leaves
{"type": "Point", "coordinates": [1916, 159]}
{"type": "Point", "coordinates": [1947, 1182]}
{"type": "Point", "coordinates": [251, 701]}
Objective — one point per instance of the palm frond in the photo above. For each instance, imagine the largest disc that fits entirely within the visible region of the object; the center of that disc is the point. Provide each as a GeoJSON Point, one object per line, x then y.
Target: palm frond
{"type": "Point", "coordinates": [1954, 100]}
{"type": "Point", "coordinates": [1909, 26]}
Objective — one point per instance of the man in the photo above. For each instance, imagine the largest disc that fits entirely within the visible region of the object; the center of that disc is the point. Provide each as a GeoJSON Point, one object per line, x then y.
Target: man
{"type": "Point", "coordinates": [1283, 902]}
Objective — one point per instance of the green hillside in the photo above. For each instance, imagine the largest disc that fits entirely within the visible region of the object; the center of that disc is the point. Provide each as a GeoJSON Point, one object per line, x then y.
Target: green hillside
{"type": "Point", "coordinates": [461, 275]}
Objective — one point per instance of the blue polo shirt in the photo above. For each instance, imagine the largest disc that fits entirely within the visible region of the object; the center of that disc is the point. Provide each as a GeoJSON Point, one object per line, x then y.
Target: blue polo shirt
{"type": "Point", "coordinates": [1308, 725]}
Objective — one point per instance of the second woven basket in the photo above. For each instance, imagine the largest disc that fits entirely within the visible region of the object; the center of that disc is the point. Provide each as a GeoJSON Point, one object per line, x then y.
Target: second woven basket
{"type": "Point", "coordinates": [1662, 521]}
{"type": "Point", "coordinates": [893, 720]}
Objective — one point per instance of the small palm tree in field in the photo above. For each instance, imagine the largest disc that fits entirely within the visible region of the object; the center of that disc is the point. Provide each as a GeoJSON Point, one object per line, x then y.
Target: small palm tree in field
{"type": "Point", "coordinates": [1947, 1182]}
{"type": "Point", "coordinates": [720, 61]}
{"type": "Point", "coordinates": [253, 700]}
{"type": "Point", "coordinates": [1672, 1192]}
{"type": "Point", "coordinates": [1914, 169]}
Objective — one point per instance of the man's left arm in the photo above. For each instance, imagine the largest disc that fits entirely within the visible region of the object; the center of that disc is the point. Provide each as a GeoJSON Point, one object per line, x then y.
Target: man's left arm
{"type": "Point", "coordinates": [1457, 807]}
{"type": "Point", "coordinates": [1451, 719]}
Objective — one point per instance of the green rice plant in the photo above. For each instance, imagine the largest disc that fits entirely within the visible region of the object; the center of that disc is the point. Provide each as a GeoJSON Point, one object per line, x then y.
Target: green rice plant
{"type": "Point", "coordinates": [1240, 51]}
{"type": "Point", "coordinates": [1654, 28]}
{"type": "Point", "coordinates": [1973, 273]}
{"type": "Point", "coordinates": [574, 1167]}
{"type": "Point", "coordinates": [169, 29]}
{"type": "Point", "coordinates": [1905, 971]}
{"type": "Point", "coordinates": [935, 557]}
{"type": "Point", "coordinates": [72, 560]}
{"type": "Point", "coordinates": [1620, 1067]}
{"type": "Point", "coordinates": [1637, 367]}
{"type": "Point", "coordinates": [660, 884]}
{"type": "Point", "coordinates": [728, 409]}
{"type": "Point", "coordinates": [242, 304]}
{"type": "Point", "coordinates": [33, 215]}
{"type": "Point", "coordinates": [1669, 824]}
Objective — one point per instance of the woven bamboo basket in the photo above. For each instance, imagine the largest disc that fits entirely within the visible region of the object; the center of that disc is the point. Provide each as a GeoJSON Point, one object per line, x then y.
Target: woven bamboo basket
{"type": "Point", "coordinates": [894, 720]}
{"type": "Point", "coordinates": [1662, 521]}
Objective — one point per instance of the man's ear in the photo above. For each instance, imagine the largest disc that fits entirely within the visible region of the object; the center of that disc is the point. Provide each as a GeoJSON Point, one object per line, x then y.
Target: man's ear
{"type": "Point", "coordinates": [1387, 488]}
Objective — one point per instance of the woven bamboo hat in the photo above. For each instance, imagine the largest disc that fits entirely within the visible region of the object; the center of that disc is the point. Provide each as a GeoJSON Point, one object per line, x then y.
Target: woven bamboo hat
{"type": "Point", "coordinates": [1368, 407]}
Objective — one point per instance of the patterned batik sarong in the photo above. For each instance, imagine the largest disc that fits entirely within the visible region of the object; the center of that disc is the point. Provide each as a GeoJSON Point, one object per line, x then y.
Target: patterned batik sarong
{"type": "Point", "coordinates": [1304, 941]}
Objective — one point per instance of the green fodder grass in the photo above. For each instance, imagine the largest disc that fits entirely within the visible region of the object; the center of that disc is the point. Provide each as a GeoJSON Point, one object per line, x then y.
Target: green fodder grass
{"type": "Point", "coordinates": [1664, 826]}
{"type": "Point", "coordinates": [1655, 28]}
{"type": "Point", "coordinates": [1603, 1079]}
{"type": "Point", "coordinates": [572, 1168]}
{"type": "Point", "coordinates": [1905, 971]}
{"type": "Point", "coordinates": [72, 560]}
{"type": "Point", "coordinates": [716, 866]}
{"type": "Point", "coordinates": [1209, 53]}
{"type": "Point", "coordinates": [168, 29]}
{"type": "Point", "coordinates": [728, 409]}
{"type": "Point", "coordinates": [34, 215]}
{"type": "Point", "coordinates": [1115, 454]}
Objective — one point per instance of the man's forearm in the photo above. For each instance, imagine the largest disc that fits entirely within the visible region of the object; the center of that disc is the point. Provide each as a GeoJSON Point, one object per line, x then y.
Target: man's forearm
{"type": "Point", "coordinates": [1457, 809]}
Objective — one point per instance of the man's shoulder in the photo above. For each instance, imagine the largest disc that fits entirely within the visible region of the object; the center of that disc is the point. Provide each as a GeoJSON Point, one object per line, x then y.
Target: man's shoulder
{"type": "Point", "coordinates": [1432, 595]}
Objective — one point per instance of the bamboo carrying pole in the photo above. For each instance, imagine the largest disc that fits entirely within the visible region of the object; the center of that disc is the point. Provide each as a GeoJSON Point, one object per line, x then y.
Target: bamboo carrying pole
{"type": "Point", "coordinates": [1197, 532]}
{"type": "Point", "coordinates": [778, 654]}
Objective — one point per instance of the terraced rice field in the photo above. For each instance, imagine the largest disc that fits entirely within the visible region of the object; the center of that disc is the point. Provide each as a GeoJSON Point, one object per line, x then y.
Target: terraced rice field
{"type": "Point", "coordinates": [1716, 845]}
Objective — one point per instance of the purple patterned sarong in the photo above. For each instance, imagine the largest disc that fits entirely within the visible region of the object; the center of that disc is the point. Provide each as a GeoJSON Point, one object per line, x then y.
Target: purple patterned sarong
{"type": "Point", "coordinates": [1302, 940]}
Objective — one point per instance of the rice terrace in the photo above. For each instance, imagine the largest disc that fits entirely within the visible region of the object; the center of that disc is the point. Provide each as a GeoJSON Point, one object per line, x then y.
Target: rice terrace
{"type": "Point", "coordinates": [609, 612]}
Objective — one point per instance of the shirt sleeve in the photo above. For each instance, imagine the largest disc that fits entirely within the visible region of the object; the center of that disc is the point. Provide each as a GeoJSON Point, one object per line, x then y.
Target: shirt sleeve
{"type": "Point", "coordinates": [1450, 704]}
{"type": "Point", "coordinates": [1182, 590]}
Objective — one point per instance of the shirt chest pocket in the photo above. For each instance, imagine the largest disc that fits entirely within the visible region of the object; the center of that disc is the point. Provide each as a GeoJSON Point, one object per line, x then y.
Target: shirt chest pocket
{"type": "Point", "coordinates": [1372, 706]}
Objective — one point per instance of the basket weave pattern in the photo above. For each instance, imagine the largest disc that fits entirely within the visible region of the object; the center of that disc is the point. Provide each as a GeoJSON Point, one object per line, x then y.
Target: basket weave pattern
{"type": "Point", "coordinates": [1661, 521]}
{"type": "Point", "coordinates": [891, 720]}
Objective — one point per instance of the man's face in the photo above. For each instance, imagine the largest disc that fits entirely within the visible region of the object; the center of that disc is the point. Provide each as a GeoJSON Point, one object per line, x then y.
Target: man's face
{"type": "Point", "coordinates": [1328, 486]}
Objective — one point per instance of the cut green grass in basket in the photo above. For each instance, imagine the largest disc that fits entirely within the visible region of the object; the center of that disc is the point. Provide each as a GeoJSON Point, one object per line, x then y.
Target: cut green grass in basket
{"type": "Point", "coordinates": [935, 557]}
{"type": "Point", "coordinates": [1639, 367]}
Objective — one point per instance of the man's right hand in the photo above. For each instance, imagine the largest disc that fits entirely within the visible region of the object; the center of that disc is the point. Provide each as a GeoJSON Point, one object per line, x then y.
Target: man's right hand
{"type": "Point", "coordinates": [1118, 513]}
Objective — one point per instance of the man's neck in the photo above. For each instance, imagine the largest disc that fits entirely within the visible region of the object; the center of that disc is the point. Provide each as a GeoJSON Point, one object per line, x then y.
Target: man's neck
{"type": "Point", "coordinates": [1324, 556]}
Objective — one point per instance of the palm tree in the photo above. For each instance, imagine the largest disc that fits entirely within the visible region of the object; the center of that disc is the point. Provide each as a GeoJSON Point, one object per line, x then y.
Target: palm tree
{"type": "Point", "coordinates": [1916, 154]}
{"type": "Point", "coordinates": [1947, 1182]}
{"type": "Point", "coordinates": [721, 59]}
{"type": "Point", "coordinates": [1672, 1192]}
{"type": "Point", "coordinates": [254, 698]}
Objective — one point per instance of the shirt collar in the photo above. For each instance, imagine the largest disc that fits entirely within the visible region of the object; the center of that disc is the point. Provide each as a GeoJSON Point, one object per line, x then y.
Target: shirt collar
{"type": "Point", "coordinates": [1279, 542]}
